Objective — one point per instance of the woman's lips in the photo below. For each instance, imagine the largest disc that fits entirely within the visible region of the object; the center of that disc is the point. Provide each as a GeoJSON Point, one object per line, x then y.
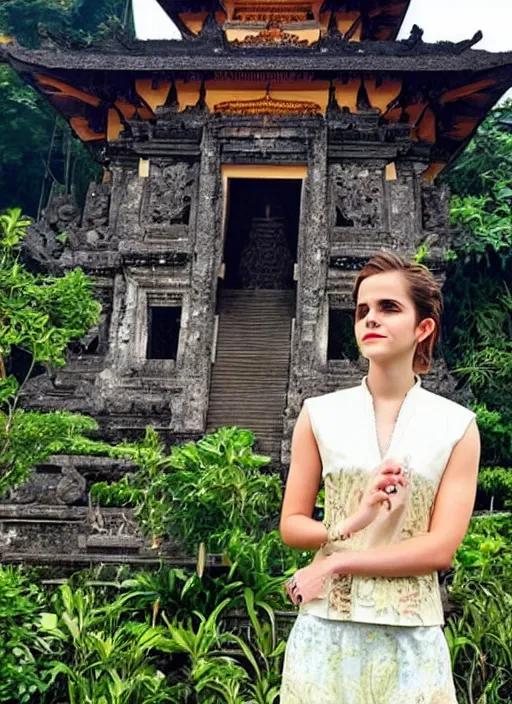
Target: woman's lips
{"type": "Point", "coordinates": [373, 336]}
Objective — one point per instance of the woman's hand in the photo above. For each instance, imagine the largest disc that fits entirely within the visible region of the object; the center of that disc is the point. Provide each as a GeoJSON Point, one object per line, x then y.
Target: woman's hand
{"type": "Point", "coordinates": [308, 582]}
{"type": "Point", "coordinates": [384, 482]}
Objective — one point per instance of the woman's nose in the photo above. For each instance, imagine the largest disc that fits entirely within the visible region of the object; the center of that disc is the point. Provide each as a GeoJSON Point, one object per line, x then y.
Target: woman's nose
{"type": "Point", "coordinates": [371, 319]}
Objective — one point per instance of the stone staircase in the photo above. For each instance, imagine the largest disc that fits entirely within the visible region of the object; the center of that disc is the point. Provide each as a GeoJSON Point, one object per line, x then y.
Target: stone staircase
{"type": "Point", "coordinates": [250, 374]}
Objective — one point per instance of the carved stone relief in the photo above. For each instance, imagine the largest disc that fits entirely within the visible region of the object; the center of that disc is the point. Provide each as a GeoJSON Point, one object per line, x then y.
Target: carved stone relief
{"type": "Point", "coordinates": [357, 196]}
{"type": "Point", "coordinates": [170, 195]}
{"type": "Point", "coordinates": [68, 488]}
{"type": "Point", "coordinates": [266, 261]}
{"type": "Point", "coordinates": [95, 232]}
{"type": "Point", "coordinates": [435, 202]}
{"type": "Point", "coordinates": [46, 239]}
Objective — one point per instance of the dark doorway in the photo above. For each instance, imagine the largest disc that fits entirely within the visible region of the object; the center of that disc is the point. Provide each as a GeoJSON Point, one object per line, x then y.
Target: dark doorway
{"type": "Point", "coordinates": [261, 233]}
{"type": "Point", "coordinates": [163, 331]}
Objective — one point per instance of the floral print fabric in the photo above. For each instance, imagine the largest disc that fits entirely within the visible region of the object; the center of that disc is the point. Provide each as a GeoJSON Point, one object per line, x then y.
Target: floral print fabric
{"type": "Point", "coordinates": [332, 662]}
{"type": "Point", "coordinates": [396, 601]}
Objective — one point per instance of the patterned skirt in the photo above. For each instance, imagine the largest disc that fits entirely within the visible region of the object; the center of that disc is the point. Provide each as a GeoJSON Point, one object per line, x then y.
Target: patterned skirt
{"type": "Point", "coordinates": [340, 662]}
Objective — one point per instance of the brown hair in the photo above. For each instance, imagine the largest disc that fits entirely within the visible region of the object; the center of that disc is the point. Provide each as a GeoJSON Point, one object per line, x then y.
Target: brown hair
{"type": "Point", "coordinates": [425, 294]}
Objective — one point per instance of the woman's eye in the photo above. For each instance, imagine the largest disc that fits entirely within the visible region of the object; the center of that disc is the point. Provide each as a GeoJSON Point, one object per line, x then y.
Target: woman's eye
{"type": "Point", "coordinates": [389, 307]}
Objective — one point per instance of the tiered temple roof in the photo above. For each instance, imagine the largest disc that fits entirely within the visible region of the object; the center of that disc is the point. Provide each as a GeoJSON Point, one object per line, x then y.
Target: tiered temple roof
{"type": "Point", "coordinates": [246, 19]}
{"type": "Point", "coordinates": [441, 92]}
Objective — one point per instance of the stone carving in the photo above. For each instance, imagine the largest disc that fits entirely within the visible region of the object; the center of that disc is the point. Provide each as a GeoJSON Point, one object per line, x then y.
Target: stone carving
{"type": "Point", "coordinates": [357, 196]}
{"type": "Point", "coordinates": [435, 201]}
{"type": "Point", "coordinates": [24, 494]}
{"type": "Point", "coordinates": [266, 261]}
{"type": "Point", "coordinates": [97, 206]}
{"type": "Point", "coordinates": [47, 238]}
{"type": "Point", "coordinates": [71, 487]}
{"type": "Point", "coordinates": [440, 381]}
{"type": "Point", "coordinates": [50, 489]}
{"type": "Point", "coordinates": [95, 232]}
{"type": "Point", "coordinates": [170, 193]}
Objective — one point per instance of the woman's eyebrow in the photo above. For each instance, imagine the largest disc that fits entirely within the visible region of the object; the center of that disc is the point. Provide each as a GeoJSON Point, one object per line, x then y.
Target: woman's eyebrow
{"type": "Point", "coordinates": [390, 300]}
{"type": "Point", "coordinates": [380, 301]}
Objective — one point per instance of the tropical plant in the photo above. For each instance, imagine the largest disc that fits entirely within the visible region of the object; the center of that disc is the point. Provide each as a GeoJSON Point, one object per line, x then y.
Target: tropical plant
{"type": "Point", "coordinates": [39, 315]}
{"type": "Point", "coordinates": [208, 669]}
{"type": "Point", "coordinates": [22, 647]}
{"type": "Point", "coordinates": [479, 630]}
{"type": "Point", "coordinates": [200, 491]}
{"type": "Point", "coordinates": [496, 484]}
{"type": "Point", "coordinates": [477, 291]}
{"type": "Point", "coordinates": [480, 643]}
{"type": "Point", "coordinates": [496, 432]}
{"type": "Point", "coordinates": [104, 658]}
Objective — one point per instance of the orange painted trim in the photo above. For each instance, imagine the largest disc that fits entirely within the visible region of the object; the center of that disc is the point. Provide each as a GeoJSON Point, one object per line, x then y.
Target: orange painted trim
{"type": "Point", "coordinates": [65, 90]}
{"type": "Point", "coordinates": [432, 171]}
{"type": "Point", "coordinates": [114, 125]}
{"type": "Point", "coordinates": [153, 97]}
{"type": "Point", "coordinates": [465, 91]}
{"type": "Point", "coordinates": [273, 171]}
{"type": "Point", "coordinates": [84, 131]}
{"type": "Point", "coordinates": [194, 21]}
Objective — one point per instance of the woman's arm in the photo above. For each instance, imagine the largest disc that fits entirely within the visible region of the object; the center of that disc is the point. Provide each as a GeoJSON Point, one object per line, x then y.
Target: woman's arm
{"type": "Point", "coordinates": [298, 529]}
{"type": "Point", "coordinates": [450, 519]}
{"type": "Point", "coordinates": [420, 555]}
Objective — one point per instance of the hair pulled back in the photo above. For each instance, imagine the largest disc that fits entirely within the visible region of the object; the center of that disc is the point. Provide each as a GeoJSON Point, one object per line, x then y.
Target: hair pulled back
{"type": "Point", "coordinates": [425, 294]}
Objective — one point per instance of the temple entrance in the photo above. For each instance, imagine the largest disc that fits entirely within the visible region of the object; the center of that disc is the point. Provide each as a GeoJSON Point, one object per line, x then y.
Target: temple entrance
{"type": "Point", "coordinates": [255, 308]}
{"type": "Point", "coordinates": [261, 233]}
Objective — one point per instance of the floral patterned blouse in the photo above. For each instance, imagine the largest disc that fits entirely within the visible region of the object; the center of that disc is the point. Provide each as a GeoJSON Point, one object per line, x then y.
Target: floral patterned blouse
{"type": "Point", "coordinates": [427, 429]}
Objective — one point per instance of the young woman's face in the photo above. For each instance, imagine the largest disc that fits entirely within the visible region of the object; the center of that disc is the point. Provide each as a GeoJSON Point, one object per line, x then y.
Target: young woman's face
{"type": "Point", "coordinates": [386, 320]}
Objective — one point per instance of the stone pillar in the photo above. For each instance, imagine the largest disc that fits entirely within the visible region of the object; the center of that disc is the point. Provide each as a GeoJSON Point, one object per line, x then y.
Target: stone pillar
{"type": "Point", "coordinates": [313, 259]}
{"type": "Point", "coordinates": [127, 195]}
{"type": "Point", "coordinates": [404, 210]}
{"type": "Point", "coordinates": [206, 259]}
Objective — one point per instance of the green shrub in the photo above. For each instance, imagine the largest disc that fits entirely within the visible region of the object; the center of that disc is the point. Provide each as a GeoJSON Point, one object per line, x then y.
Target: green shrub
{"type": "Point", "coordinates": [496, 434]}
{"type": "Point", "coordinates": [22, 675]}
{"type": "Point", "coordinates": [201, 492]}
{"type": "Point", "coordinates": [479, 633]}
{"type": "Point", "coordinates": [496, 483]}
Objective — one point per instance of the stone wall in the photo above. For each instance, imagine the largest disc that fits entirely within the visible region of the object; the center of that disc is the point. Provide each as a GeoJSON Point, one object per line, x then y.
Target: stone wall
{"type": "Point", "coordinates": [152, 234]}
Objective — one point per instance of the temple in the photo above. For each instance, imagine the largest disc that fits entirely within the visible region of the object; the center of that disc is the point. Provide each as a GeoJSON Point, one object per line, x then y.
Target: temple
{"type": "Point", "coordinates": [250, 168]}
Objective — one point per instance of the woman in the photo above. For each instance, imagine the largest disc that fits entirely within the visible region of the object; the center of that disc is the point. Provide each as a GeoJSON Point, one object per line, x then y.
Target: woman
{"type": "Point", "coordinates": [400, 468]}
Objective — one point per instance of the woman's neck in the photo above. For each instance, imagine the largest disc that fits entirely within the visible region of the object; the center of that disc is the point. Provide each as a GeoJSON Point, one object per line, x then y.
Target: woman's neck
{"type": "Point", "coordinates": [390, 383]}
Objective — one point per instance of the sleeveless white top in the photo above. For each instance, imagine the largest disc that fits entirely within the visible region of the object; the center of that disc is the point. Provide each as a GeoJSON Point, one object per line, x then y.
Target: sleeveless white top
{"type": "Point", "coordinates": [427, 429]}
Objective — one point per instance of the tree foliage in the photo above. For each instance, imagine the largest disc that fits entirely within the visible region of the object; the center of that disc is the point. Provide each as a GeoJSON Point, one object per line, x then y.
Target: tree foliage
{"type": "Point", "coordinates": [478, 291]}
{"type": "Point", "coordinates": [37, 148]}
{"type": "Point", "coordinates": [40, 315]}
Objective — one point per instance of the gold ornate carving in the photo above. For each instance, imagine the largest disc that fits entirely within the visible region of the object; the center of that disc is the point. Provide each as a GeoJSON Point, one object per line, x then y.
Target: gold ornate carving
{"type": "Point", "coordinates": [270, 37]}
{"type": "Point", "coordinates": [251, 11]}
{"type": "Point", "coordinates": [268, 106]}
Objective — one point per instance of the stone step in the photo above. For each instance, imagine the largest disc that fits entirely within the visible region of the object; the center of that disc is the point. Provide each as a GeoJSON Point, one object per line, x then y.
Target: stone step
{"type": "Point", "coordinates": [250, 375]}
{"type": "Point", "coordinates": [81, 560]}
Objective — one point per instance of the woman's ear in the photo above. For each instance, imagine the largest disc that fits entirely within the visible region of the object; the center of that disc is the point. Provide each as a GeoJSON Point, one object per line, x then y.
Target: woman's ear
{"type": "Point", "coordinates": [425, 328]}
